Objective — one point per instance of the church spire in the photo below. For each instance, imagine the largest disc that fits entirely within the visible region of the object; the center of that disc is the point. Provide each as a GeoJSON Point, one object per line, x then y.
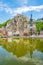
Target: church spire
{"type": "Point", "coordinates": [31, 23]}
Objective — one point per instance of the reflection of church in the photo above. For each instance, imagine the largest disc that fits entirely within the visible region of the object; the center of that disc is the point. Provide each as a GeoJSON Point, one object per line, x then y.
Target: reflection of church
{"type": "Point", "coordinates": [31, 27]}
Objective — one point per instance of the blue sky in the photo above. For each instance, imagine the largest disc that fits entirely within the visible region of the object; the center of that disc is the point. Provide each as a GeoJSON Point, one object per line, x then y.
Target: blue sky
{"type": "Point", "coordinates": [10, 8]}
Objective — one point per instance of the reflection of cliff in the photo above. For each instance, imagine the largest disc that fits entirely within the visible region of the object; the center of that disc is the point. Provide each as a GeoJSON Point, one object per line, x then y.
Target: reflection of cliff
{"type": "Point", "coordinates": [22, 47]}
{"type": "Point", "coordinates": [19, 49]}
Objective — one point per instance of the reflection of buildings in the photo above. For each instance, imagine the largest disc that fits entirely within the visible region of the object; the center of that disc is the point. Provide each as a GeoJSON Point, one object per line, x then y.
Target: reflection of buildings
{"type": "Point", "coordinates": [23, 47]}
{"type": "Point", "coordinates": [19, 47]}
{"type": "Point", "coordinates": [31, 53]}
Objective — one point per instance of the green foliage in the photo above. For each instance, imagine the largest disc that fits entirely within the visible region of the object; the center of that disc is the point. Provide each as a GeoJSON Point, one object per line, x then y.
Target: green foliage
{"type": "Point", "coordinates": [4, 24]}
{"type": "Point", "coordinates": [39, 26]}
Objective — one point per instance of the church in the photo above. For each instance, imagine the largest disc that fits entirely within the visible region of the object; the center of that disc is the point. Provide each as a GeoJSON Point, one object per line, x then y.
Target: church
{"type": "Point", "coordinates": [31, 27]}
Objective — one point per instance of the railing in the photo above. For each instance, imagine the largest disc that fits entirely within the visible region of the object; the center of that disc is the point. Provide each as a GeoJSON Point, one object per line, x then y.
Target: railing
{"type": "Point", "coordinates": [28, 36]}
{"type": "Point", "coordinates": [33, 36]}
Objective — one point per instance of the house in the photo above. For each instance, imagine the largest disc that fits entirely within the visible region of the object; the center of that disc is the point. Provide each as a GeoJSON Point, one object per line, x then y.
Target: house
{"type": "Point", "coordinates": [17, 33]}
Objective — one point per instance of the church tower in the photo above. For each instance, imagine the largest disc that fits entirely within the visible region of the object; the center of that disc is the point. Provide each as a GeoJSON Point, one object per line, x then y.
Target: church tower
{"type": "Point", "coordinates": [31, 27]}
{"type": "Point", "coordinates": [31, 22]}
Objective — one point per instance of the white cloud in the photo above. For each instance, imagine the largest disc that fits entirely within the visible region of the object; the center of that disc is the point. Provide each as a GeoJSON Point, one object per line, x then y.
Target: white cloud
{"type": "Point", "coordinates": [26, 9]}
{"type": "Point", "coordinates": [19, 10]}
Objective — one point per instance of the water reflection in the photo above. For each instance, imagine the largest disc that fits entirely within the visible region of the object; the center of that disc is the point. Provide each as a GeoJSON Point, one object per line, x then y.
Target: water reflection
{"type": "Point", "coordinates": [23, 46]}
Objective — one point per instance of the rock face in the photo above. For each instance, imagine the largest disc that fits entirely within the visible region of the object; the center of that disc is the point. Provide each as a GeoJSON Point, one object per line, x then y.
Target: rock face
{"type": "Point", "coordinates": [19, 24]}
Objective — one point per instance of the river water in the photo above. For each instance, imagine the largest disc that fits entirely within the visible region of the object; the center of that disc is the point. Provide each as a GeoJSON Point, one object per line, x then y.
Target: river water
{"type": "Point", "coordinates": [21, 51]}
